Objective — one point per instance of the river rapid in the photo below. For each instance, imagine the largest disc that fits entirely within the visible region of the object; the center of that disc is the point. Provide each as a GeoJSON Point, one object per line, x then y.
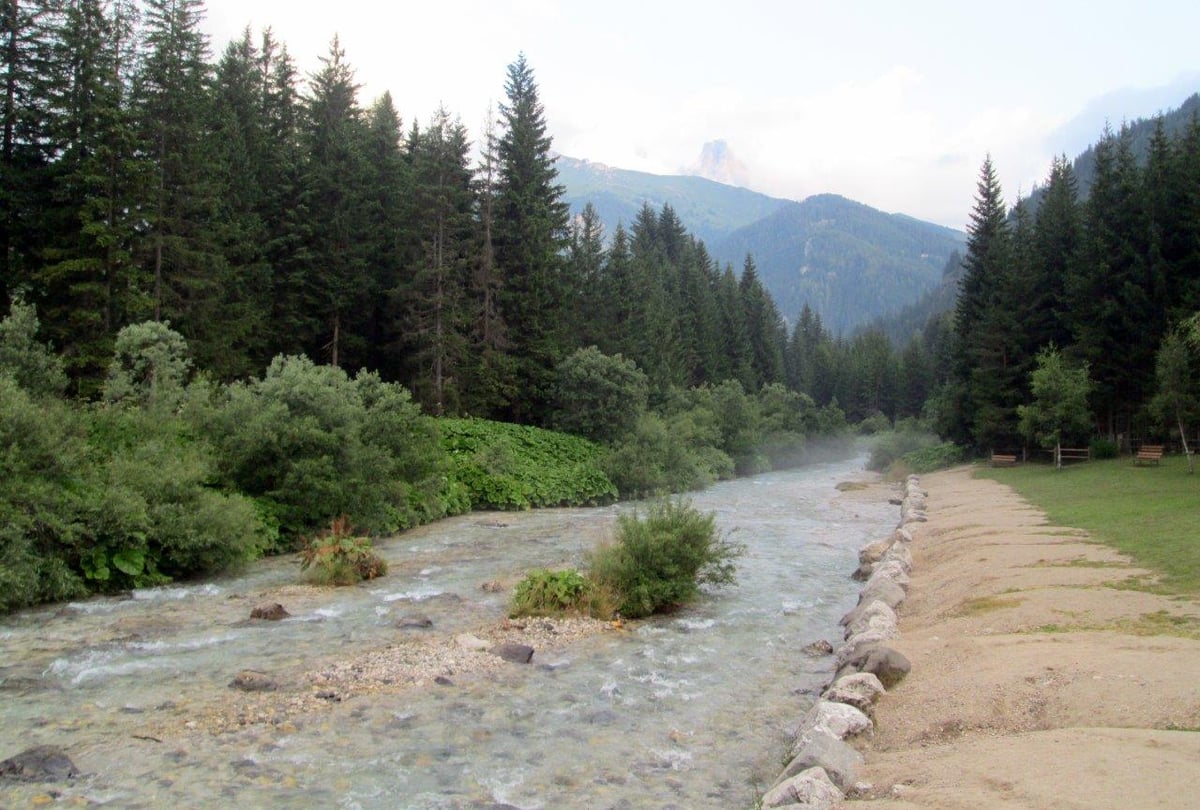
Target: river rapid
{"type": "Point", "coordinates": [690, 710]}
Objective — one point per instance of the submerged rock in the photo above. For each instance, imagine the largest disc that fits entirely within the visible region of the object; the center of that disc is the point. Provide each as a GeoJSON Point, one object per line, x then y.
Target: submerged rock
{"type": "Point", "coordinates": [269, 611]}
{"type": "Point", "coordinates": [416, 621]}
{"type": "Point", "coordinates": [517, 653]}
{"type": "Point", "coordinates": [818, 649]}
{"type": "Point", "coordinates": [250, 680]}
{"type": "Point", "coordinates": [42, 763]}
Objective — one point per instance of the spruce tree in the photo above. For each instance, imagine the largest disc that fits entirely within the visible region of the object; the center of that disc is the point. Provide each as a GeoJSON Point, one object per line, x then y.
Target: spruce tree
{"type": "Point", "coordinates": [530, 240]}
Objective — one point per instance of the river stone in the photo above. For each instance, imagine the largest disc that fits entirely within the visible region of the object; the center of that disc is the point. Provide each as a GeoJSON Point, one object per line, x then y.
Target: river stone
{"type": "Point", "coordinates": [884, 589]}
{"type": "Point", "coordinates": [889, 665]}
{"type": "Point", "coordinates": [817, 648]}
{"type": "Point", "coordinates": [902, 535]}
{"type": "Point", "coordinates": [470, 642]}
{"type": "Point", "coordinates": [42, 763]}
{"type": "Point", "coordinates": [873, 552]}
{"type": "Point", "coordinates": [891, 569]}
{"type": "Point", "coordinates": [860, 690]}
{"type": "Point", "coordinates": [249, 680]}
{"type": "Point", "coordinates": [874, 615]}
{"type": "Point", "coordinates": [269, 611]}
{"type": "Point", "coordinates": [415, 621]}
{"type": "Point", "coordinates": [823, 750]}
{"type": "Point", "coordinates": [900, 553]}
{"type": "Point", "coordinates": [838, 719]}
{"type": "Point", "coordinates": [812, 789]}
{"type": "Point", "coordinates": [517, 653]}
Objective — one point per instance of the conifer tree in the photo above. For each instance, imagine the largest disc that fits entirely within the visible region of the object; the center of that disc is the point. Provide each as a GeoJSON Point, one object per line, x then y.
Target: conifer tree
{"type": "Point", "coordinates": [765, 329]}
{"type": "Point", "coordinates": [530, 240]}
{"type": "Point", "coordinates": [334, 196]}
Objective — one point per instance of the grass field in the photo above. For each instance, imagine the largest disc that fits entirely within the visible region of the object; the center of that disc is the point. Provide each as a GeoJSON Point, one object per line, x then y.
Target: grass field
{"type": "Point", "coordinates": [1150, 513]}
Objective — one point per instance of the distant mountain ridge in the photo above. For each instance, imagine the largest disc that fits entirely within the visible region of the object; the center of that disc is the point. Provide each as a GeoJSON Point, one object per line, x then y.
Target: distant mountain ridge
{"type": "Point", "coordinates": [849, 262]}
{"type": "Point", "coordinates": [710, 210]}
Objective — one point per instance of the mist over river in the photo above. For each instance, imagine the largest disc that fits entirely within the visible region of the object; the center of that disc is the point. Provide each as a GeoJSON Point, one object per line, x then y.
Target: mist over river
{"type": "Point", "coordinates": [690, 710]}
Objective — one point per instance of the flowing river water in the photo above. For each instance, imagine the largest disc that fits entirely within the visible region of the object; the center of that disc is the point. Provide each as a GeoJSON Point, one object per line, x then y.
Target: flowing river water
{"type": "Point", "coordinates": [689, 710]}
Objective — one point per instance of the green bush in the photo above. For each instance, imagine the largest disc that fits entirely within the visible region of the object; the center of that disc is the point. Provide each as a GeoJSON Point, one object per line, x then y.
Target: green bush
{"type": "Point", "coordinates": [659, 561]}
{"type": "Point", "coordinates": [314, 443]}
{"type": "Point", "coordinates": [549, 593]}
{"type": "Point", "coordinates": [505, 466]}
{"type": "Point", "coordinates": [338, 556]}
{"type": "Point", "coordinates": [874, 424]}
{"type": "Point", "coordinates": [598, 396]}
{"type": "Point", "coordinates": [895, 444]}
{"type": "Point", "coordinates": [1102, 448]}
{"type": "Point", "coordinates": [935, 457]}
{"type": "Point", "coordinates": [665, 456]}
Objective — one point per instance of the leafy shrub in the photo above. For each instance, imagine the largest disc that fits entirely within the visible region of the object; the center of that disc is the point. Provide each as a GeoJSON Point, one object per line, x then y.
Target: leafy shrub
{"type": "Point", "coordinates": [874, 424]}
{"type": "Point", "coordinates": [547, 593]}
{"type": "Point", "coordinates": [598, 396]}
{"type": "Point", "coordinates": [504, 466]}
{"type": "Point", "coordinates": [894, 444]}
{"type": "Point", "coordinates": [662, 457]}
{"type": "Point", "coordinates": [315, 443]}
{"type": "Point", "coordinates": [659, 561]}
{"type": "Point", "coordinates": [1102, 448]}
{"type": "Point", "coordinates": [338, 556]}
{"type": "Point", "coordinates": [935, 457]}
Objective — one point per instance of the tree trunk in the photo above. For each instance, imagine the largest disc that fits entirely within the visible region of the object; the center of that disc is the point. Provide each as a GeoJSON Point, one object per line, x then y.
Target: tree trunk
{"type": "Point", "coordinates": [333, 345]}
{"type": "Point", "coordinates": [1186, 450]}
{"type": "Point", "coordinates": [1058, 455]}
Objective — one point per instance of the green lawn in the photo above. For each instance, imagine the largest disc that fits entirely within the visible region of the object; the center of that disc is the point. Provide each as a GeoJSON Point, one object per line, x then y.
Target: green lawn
{"type": "Point", "coordinates": [1150, 513]}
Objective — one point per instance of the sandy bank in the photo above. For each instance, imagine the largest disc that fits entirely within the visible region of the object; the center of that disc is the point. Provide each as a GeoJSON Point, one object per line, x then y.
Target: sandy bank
{"type": "Point", "coordinates": [1037, 680]}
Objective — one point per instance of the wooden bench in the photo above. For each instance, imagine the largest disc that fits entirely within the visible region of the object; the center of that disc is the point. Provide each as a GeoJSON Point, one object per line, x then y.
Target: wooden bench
{"type": "Point", "coordinates": [1149, 454]}
{"type": "Point", "coordinates": [1074, 454]}
{"type": "Point", "coordinates": [1003, 459]}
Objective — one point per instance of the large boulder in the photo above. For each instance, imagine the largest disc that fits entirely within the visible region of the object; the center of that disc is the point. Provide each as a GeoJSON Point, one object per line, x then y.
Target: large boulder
{"type": "Point", "coordinates": [823, 750]}
{"type": "Point", "coordinates": [42, 763]}
{"type": "Point", "coordinates": [840, 720]}
{"type": "Point", "coordinates": [890, 569]}
{"type": "Point", "coordinates": [873, 615]}
{"type": "Point", "coordinates": [884, 589]}
{"type": "Point", "coordinates": [811, 789]}
{"type": "Point", "coordinates": [900, 553]}
{"type": "Point", "coordinates": [860, 690]}
{"type": "Point", "coordinates": [888, 665]}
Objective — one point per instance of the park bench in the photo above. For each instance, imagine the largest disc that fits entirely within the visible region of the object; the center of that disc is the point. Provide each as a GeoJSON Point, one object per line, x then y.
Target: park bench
{"type": "Point", "coordinates": [1149, 454]}
{"type": "Point", "coordinates": [1074, 454]}
{"type": "Point", "coordinates": [1003, 459]}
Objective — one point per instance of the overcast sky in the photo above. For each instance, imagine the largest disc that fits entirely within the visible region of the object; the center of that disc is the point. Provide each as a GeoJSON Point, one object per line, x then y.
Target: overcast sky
{"type": "Point", "coordinates": [894, 104]}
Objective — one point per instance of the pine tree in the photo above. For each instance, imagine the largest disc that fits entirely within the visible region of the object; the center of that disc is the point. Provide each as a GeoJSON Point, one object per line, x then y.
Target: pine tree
{"type": "Point", "coordinates": [335, 179]}
{"type": "Point", "coordinates": [586, 262]}
{"type": "Point", "coordinates": [765, 328]}
{"type": "Point", "coordinates": [1057, 234]}
{"type": "Point", "coordinates": [91, 284]}
{"type": "Point", "coordinates": [437, 314]}
{"type": "Point", "coordinates": [530, 240]}
{"type": "Point", "coordinates": [984, 360]}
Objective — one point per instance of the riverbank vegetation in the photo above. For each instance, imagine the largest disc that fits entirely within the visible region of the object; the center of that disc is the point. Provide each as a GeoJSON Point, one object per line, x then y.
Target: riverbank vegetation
{"type": "Point", "coordinates": [658, 561]}
{"type": "Point", "coordinates": [1148, 513]}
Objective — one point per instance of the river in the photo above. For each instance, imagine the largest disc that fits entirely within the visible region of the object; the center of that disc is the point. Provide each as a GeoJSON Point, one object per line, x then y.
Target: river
{"type": "Point", "coordinates": [690, 710]}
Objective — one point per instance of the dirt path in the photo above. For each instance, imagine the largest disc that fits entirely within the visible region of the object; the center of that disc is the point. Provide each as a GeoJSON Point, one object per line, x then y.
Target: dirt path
{"type": "Point", "coordinates": [1037, 680]}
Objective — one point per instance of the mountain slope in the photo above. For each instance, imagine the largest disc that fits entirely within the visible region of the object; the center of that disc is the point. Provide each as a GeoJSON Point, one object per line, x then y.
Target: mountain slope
{"type": "Point", "coordinates": [848, 261]}
{"type": "Point", "coordinates": [708, 209]}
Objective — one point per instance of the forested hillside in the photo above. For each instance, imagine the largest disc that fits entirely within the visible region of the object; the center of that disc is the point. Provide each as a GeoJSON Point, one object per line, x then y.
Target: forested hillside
{"type": "Point", "coordinates": [847, 261]}
{"type": "Point", "coordinates": [708, 209]}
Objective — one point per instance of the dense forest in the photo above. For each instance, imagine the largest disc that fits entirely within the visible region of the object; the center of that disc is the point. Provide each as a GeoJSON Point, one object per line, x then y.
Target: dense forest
{"type": "Point", "coordinates": [197, 252]}
{"type": "Point", "coordinates": [1109, 284]}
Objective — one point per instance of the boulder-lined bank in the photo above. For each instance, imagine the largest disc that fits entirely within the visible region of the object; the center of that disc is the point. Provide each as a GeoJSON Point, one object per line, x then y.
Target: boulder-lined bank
{"type": "Point", "coordinates": [1044, 672]}
{"type": "Point", "coordinates": [823, 766]}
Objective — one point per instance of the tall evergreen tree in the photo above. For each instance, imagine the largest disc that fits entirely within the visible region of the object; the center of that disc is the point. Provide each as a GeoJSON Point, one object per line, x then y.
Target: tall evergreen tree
{"type": "Point", "coordinates": [983, 323]}
{"type": "Point", "coordinates": [437, 315]}
{"type": "Point", "coordinates": [334, 196]}
{"type": "Point", "coordinates": [530, 239]}
{"type": "Point", "coordinates": [765, 329]}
